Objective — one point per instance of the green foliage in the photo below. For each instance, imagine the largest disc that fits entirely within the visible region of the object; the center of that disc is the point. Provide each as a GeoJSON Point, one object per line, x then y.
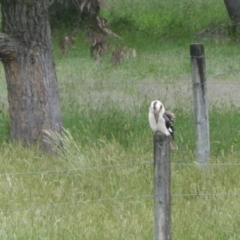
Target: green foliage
{"type": "Point", "coordinates": [169, 19]}
{"type": "Point", "coordinates": [166, 18]}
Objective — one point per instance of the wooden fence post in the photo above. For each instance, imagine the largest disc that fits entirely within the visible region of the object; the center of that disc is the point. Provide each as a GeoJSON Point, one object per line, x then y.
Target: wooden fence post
{"type": "Point", "coordinates": [162, 187]}
{"type": "Point", "coordinates": [200, 103]}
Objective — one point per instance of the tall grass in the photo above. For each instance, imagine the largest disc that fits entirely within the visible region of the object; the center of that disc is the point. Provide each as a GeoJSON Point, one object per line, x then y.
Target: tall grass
{"type": "Point", "coordinates": [99, 186]}
{"type": "Point", "coordinates": [103, 191]}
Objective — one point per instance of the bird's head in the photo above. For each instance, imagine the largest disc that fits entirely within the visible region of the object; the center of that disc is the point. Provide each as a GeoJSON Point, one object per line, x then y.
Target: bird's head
{"type": "Point", "coordinates": [157, 109]}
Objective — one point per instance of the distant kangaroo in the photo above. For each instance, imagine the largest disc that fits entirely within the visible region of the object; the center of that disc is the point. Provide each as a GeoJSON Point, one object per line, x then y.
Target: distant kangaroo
{"type": "Point", "coordinates": [117, 56]}
{"type": "Point", "coordinates": [64, 44]}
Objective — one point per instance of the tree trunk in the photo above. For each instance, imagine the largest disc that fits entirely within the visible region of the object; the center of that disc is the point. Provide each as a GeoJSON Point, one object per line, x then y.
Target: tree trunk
{"type": "Point", "coordinates": [27, 56]}
{"type": "Point", "coordinates": [233, 9]}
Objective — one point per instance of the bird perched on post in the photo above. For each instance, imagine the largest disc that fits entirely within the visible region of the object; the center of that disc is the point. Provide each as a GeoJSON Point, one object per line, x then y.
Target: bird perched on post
{"type": "Point", "coordinates": [161, 120]}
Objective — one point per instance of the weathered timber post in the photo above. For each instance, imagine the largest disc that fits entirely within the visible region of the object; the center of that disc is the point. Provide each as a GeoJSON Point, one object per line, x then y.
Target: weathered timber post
{"type": "Point", "coordinates": [162, 187]}
{"type": "Point", "coordinates": [200, 103]}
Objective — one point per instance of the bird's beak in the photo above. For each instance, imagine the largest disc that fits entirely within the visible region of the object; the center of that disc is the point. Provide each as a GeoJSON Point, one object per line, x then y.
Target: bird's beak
{"type": "Point", "coordinates": [156, 117]}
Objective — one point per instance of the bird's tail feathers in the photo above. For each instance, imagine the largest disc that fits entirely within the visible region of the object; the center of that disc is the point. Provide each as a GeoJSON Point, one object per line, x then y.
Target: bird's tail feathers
{"type": "Point", "coordinates": [173, 144]}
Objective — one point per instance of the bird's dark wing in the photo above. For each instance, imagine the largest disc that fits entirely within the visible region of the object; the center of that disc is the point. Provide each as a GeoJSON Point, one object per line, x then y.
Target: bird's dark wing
{"type": "Point", "coordinates": [169, 118]}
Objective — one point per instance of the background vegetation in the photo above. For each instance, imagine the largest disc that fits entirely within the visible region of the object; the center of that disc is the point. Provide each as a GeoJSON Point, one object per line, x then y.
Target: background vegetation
{"type": "Point", "coordinates": [100, 187]}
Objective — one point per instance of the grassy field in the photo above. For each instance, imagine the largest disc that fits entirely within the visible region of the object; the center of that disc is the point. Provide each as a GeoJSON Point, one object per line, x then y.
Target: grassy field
{"type": "Point", "coordinates": [101, 187]}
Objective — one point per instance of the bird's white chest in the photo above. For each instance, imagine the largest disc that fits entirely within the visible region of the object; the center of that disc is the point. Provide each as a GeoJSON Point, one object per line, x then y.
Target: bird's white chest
{"type": "Point", "coordinates": [157, 125]}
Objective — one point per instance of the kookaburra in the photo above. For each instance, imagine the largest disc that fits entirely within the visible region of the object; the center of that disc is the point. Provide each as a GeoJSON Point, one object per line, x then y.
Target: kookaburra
{"type": "Point", "coordinates": [161, 120]}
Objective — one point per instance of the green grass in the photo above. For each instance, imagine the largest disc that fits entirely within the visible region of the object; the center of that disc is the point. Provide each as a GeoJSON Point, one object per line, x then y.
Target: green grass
{"type": "Point", "coordinates": [100, 187]}
{"type": "Point", "coordinates": [166, 18]}
{"type": "Point", "coordinates": [112, 202]}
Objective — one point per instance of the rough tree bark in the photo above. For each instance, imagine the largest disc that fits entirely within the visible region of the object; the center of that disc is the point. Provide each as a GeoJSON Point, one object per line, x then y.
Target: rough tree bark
{"type": "Point", "coordinates": [27, 56]}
